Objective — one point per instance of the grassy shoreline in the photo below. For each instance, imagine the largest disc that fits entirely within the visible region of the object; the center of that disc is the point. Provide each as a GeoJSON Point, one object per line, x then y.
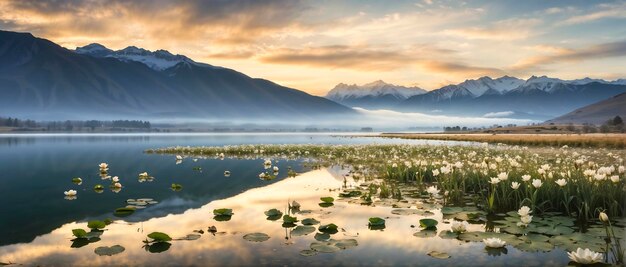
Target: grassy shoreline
{"type": "Point", "coordinates": [613, 140]}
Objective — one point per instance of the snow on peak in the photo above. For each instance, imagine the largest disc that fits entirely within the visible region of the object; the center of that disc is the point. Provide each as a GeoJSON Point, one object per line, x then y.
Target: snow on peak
{"type": "Point", "coordinates": [157, 60]}
{"type": "Point", "coordinates": [376, 88]}
{"type": "Point", "coordinates": [483, 84]}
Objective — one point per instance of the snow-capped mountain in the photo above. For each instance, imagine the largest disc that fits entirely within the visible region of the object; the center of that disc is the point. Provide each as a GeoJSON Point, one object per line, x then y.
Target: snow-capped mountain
{"type": "Point", "coordinates": [501, 85]}
{"type": "Point", "coordinates": [541, 97]}
{"type": "Point", "coordinates": [377, 94]}
{"type": "Point", "coordinates": [157, 60]}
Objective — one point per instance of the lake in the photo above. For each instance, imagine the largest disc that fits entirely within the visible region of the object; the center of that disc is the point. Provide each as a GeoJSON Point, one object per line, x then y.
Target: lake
{"type": "Point", "coordinates": [37, 221]}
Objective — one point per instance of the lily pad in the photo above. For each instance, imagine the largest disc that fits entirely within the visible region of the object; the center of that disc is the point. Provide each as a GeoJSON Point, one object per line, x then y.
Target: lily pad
{"type": "Point", "coordinates": [376, 221]}
{"type": "Point", "coordinates": [289, 219]}
{"type": "Point", "coordinates": [448, 234]}
{"type": "Point", "coordinates": [158, 247]}
{"type": "Point", "coordinates": [190, 237]}
{"type": "Point", "coordinates": [177, 187]}
{"type": "Point", "coordinates": [324, 247]}
{"type": "Point", "coordinates": [327, 199]}
{"type": "Point", "coordinates": [326, 205]}
{"type": "Point", "coordinates": [109, 251]}
{"type": "Point", "coordinates": [223, 212]}
{"type": "Point", "coordinates": [330, 228]}
{"type": "Point", "coordinates": [439, 255]}
{"type": "Point", "coordinates": [451, 210]}
{"type": "Point", "coordinates": [159, 237]}
{"type": "Point", "coordinates": [79, 233]}
{"type": "Point", "coordinates": [308, 252]}
{"type": "Point", "coordinates": [428, 223]}
{"type": "Point", "coordinates": [302, 230]}
{"type": "Point", "coordinates": [222, 218]}
{"type": "Point", "coordinates": [256, 237]}
{"type": "Point", "coordinates": [95, 224]}
{"type": "Point", "coordinates": [273, 212]}
{"type": "Point", "coordinates": [310, 221]}
{"type": "Point", "coordinates": [322, 236]}
{"type": "Point", "coordinates": [123, 212]}
{"type": "Point", "coordinates": [426, 233]}
{"type": "Point", "coordinates": [346, 243]}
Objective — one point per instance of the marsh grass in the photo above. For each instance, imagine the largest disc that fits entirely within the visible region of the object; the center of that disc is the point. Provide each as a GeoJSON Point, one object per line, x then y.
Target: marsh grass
{"type": "Point", "coordinates": [465, 172]}
{"type": "Point", "coordinates": [556, 140]}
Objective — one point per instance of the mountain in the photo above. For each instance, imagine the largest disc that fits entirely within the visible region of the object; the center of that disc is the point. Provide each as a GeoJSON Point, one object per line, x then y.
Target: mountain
{"type": "Point", "coordinates": [539, 98]}
{"type": "Point", "coordinates": [42, 80]}
{"type": "Point", "coordinates": [374, 95]}
{"type": "Point", "coordinates": [596, 113]}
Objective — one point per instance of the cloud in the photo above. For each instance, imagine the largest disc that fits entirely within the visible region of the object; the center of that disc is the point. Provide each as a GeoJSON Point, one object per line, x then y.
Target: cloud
{"type": "Point", "coordinates": [339, 56]}
{"type": "Point", "coordinates": [460, 68]}
{"type": "Point", "coordinates": [236, 21]}
{"type": "Point", "coordinates": [563, 55]}
{"type": "Point", "coordinates": [604, 11]}
{"type": "Point", "coordinates": [510, 29]}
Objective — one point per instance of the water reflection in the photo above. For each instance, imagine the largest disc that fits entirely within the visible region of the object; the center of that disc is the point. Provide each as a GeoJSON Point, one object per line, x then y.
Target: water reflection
{"type": "Point", "coordinates": [395, 245]}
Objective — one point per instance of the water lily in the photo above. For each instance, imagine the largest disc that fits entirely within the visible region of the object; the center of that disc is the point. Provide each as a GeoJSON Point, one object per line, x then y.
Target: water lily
{"type": "Point", "coordinates": [267, 162]}
{"type": "Point", "coordinates": [103, 166]}
{"type": "Point", "coordinates": [526, 220]}
{"type": "Point", "coordinates": [143, 174]}
{"type": "Point", "coordinates": [585, 256]}
{"type": "Point", "coordinates": [262, 175]}
{"type": "Point", "coordinates": [524, 211]}
{"type": "Point", "coordinates": [275, 169]}
{"type": "Point", "coordinates": [226, 173]}
{"type": "Point", "coordinates": [459, 226]}
{"type": "Point", "coordinates": [432, 190]}
{"type": "Point", "coordinates": [115, 179]}
{"type": "Point", "coordinates": [561, 182]}
{"type": "Point", "coordinates": [537, 183]}
{"type": "Point", "coordinates": [494, 242]}
{"type": "Point", "coordinates": [515, 185]}
{"type": "Point", "coordinates": [70, 193]}
{"type": "Point", "coordinates": [179, 157]}
{"type": "Point", "coordinates": [603, 217]}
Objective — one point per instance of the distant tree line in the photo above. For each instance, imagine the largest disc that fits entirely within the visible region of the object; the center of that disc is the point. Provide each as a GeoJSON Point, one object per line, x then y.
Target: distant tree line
{"type": "Point", "coordinates": [74, 125]}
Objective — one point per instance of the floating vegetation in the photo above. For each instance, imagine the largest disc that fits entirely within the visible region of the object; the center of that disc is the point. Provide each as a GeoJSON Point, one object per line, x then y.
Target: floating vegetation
{"type": "Point", "coordinates": [95, 224]}
{"type": "Point", "coordinates": [428, 223]}
{"type": "Point", "coordinates": [330, 228]}
{"type": "Point", "coordinates": [310, 221]}
{"type": "Point", "coordinates": [438, 255]}
{"type": "Point", "coordinates": [256, 237]}
{"type": "Point", "coordinates": [109, 251]}
{"type": "Point", "coordinates": [176, 187]}
{"type": "Point", "coordinates": [302, 230]}
{"type": "Point", "coordinates": [273, 214]}
{"type": "Point", "coordinates": [123, 212]}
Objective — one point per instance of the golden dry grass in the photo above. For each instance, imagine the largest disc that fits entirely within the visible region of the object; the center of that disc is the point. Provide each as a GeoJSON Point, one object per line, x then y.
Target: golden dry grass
{"type": "Point", "coordinates": [572, 140]}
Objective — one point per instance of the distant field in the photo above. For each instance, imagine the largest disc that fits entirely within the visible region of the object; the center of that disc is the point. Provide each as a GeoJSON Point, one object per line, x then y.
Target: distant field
{"type": "Point", "coordinates": [572, 140]}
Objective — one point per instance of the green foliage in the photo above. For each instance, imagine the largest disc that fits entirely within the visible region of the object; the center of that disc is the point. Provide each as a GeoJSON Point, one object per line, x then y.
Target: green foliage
{"type": "Point", "coordinates": [159, 237]}
{"type": "Point", "coordinates": [95, 224]}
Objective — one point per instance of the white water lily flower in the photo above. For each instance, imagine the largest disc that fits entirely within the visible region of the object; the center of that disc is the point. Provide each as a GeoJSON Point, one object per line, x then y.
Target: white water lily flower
{"type": "Point", "coordinates": [524, 211]}
{"type": "Point", "coordinates": [537, 183]}
{"type": "Point", "coordinates": [526, 219]}
{"type": "Point", "coordinates": [432, 190]}
{"type": "Point", "coordinates": [226, 173]}
{"type": "Point", "coordinates": [603, 217]}
{"type": "Point", "coordinates": [515, 185]}
{"type": "Point", "coordinates": [585, 256]}
{"type": "Point", "coordinates": [103, 166]}
{"type": "Point", "coordinates": [117, 185]}
{"type": "Point", "coordinates": [70, 193]}
{"type": "Point", "coordinates": [561, 182]}
{"type": "Point", "coordinates": [179, 157]}
{"type": "Point", "coordinates": [267, 162]}
{"type": "Point", "coordinates": [262, 175]}
{"type": "Point", "coordinates": [503, 176]}
{"type": "Point", "coordinates": [526, 178]}
{"type": "Point", "coordinates": [494, 242]}
{"type": "Point", "coordinates": [143, 174]}
{"type": "Point", "coordinates": [599, 177]}
{"type": "Point", "coordinates": [275, 168]}
{"type": "Point", "coordinates": [459, 226]}
{"type": "Point", "coordinates": [115, 179]}
{"type": "Point", "coordinates": [494, 180]}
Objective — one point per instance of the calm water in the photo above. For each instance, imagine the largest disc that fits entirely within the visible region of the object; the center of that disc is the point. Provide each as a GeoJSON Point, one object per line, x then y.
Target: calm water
{"type": "Point", "coordinates": [36, 221]}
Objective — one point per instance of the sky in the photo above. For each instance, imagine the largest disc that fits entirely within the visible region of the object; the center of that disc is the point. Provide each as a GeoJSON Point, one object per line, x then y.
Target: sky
{"type": "Point", "coordinates": [314, 45]}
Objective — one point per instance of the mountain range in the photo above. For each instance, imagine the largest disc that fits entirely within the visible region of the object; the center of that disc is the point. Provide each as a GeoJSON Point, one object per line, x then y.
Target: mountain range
{"type": "Point", "coordinates": [374, 95]}
{"type": "Point", "coordinates": [42, 80]}
{"type": "Point", "coordinates": [538, 98]}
